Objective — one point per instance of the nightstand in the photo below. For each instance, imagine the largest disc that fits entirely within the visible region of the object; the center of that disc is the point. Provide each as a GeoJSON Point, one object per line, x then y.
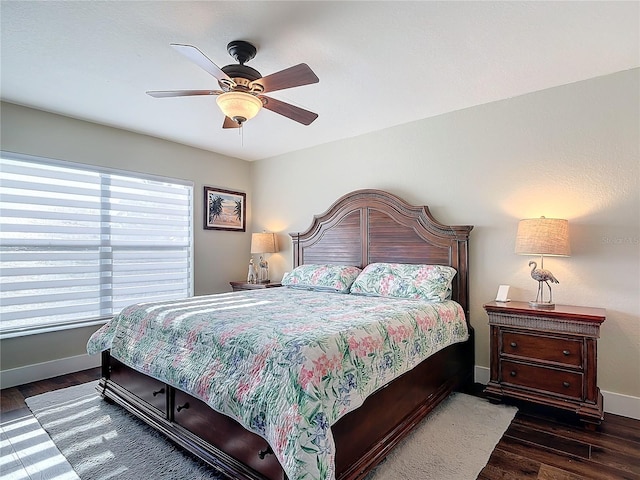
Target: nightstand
{"type": "Point", "coordinates": [236, 286]}
{"type": "Point", "coordinates": [546, 356]}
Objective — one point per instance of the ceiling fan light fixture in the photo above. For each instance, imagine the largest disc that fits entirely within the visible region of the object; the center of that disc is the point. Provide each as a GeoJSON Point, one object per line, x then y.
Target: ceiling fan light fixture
{"type": "Point", "coordinates": [241, 87]}
{"type": "Point", "coordinates": [239, 106]}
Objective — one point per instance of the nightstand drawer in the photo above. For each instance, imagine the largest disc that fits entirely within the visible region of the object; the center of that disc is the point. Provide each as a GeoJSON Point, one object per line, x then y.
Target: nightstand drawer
{"type": "Point", "coordinates": [563, 351]}
{"type": "Point", "coordinates": [557, 381]}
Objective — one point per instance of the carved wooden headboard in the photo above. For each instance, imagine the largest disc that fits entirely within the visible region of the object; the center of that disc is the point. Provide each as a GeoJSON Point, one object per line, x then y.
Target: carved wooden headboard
{"type": "Point", "coordinates": [368, 226]}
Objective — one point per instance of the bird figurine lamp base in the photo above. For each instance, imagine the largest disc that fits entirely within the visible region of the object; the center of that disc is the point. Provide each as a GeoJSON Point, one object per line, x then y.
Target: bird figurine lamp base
{"type": "Point", "coordinates": [544, 305]}
{"type": "Point", "coordinates": [543, 277]}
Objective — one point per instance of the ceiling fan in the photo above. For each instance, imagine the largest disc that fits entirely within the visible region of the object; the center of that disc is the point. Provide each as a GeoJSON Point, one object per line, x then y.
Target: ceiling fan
{"type": "Point", "coordinates": [241, 87]}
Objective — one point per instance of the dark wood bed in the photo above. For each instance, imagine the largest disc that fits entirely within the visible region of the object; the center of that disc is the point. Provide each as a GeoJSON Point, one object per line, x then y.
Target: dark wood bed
{"type": "Point", "coordinates": [360, 228]}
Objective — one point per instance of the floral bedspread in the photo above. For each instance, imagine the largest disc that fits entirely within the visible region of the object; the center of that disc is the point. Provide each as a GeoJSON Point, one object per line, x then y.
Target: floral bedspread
{"type": "Point", "coordinates": [285, 363]}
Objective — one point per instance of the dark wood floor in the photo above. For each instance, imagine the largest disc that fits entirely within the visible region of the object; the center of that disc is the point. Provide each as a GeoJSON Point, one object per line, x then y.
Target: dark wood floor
{"type": "Point", "coordinates": [544, 444]}
{"type": "Point", "coordinates": [539, 444]}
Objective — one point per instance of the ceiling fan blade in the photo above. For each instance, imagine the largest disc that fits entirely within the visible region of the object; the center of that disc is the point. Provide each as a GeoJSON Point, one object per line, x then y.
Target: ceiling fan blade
{"type": "Point", "coordinates": [228, 123]}
{"type": "Point", "coordinates": [200, 59]}
{"type": "Point", "coordinates": [182, 93]}
{"type": "Point", "coordinates": [298, 114]}
{"type": "Point", "coordinates": [295, 76]}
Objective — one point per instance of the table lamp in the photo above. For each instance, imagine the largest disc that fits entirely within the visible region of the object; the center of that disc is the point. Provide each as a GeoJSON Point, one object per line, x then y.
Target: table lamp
{"type": "Point", "coordinates": [263, 243]}
{"type": "Point", "coordinates": [543, 236]}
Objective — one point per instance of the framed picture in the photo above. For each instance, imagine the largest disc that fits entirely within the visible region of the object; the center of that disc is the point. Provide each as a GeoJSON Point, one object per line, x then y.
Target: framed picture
{"type": "Point", "coordinates": [224, 209]}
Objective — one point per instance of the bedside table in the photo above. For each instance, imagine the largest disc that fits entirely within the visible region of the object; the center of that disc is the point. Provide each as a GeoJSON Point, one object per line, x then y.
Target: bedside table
{"type": "Point", "coordinates": [237, 286]}
{"type": "Point", "coordinates": [546, 356]}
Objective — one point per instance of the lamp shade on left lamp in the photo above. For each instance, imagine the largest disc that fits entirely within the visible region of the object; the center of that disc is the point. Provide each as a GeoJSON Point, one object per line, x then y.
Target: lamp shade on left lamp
{"type": "Point", "coordinates": [263, 244]}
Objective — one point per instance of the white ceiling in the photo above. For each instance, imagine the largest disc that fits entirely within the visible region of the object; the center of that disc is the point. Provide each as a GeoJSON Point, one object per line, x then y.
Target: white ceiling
{"type": "Point", "coordinates": [380, 64]}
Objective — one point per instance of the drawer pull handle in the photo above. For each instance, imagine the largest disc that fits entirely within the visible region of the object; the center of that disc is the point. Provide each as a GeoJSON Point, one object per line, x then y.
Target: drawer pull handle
{"type": "Point", "coordinates": [513, 373]}
{"type": "Point", "coordinates": [158, 392]}
{"type": "Point", "coordinates": [566, 353]}
{"type": "Point", "coordinates": [514, 344]}
{"type": "Point", "coordinates": [185, 406]}
{"type": "Point", "coordinates": [264, 453]}
{"type": "Point", "coordinates": [566, 384]}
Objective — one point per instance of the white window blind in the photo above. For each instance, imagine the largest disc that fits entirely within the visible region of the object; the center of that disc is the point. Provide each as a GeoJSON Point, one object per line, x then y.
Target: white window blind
{"type": "Point", "coordinates": [79, 243]}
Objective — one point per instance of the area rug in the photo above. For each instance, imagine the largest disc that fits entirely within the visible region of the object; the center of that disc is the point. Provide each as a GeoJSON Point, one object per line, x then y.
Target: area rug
{"type": "Point", "coordinates": [102, 441]}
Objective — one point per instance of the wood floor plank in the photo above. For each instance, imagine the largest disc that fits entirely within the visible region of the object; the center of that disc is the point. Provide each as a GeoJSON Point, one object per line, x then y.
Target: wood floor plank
{"type": "Point", "coordinates": [629, 463]}
{"type": "Point", "coordinates": [11, 399]}
{"type": "Point", "coordinates": [608, 446]}
{"type": "Point", "coordinates": [585, 468]}
{"type": "Point", "coordinates": [10, 464]}
{"type": "Point", "coordinates": [38, 454]}
{"type": "Point", "coordinates": [503, 465]}
{"type": "Point", "coordinates": [625, 428]}
{"type": "Point", "coordinates": [44, 386]}
{"type": "Point", "coordinates": [536, 436]}
{"type": "Point", "coordinates": [614, 426]}
{"type": "Point", "coordinates": [548, 472]}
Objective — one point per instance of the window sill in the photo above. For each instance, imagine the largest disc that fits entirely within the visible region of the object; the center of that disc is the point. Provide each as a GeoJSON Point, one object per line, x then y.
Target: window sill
{"type": "Point", "coordinates": [52, 328]}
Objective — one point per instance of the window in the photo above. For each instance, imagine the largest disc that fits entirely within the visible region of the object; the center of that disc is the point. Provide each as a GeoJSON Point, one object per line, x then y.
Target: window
{"type": "Point", "coordinates": [78, 243]}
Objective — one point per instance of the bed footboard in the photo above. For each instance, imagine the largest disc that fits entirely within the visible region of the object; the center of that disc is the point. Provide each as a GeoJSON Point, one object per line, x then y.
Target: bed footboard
{"type": "Point", "coordinates": [363, 437]}
{"type": "Point", "coordinates": [366, 435]}
{"type": "Point", "coordinates": [212, 437]}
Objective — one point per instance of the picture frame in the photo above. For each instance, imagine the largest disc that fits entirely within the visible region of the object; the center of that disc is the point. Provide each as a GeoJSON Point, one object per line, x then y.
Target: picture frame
{"type": "Point", "coordinates": [224, 209]}
{"type": "Point", "coordinates": [503, 294]}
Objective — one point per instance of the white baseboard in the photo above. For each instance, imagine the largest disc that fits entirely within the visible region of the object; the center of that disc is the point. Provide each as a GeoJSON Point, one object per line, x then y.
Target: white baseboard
{"type": "Point", "coordinates": [482, 375]}
{"type": "Point", "coordinates": [620, 404]}
{"type": "Point", "coordinates": [615, 403]}
{"type": "Point", "coordinates": [41, 371]}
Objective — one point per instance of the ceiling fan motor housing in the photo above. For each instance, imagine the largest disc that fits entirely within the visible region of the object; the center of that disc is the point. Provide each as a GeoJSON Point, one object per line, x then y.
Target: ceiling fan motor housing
{"type": "Point", "coordinates": [241, 71]}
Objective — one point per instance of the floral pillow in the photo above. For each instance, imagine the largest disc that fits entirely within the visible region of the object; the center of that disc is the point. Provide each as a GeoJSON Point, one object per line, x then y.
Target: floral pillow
{"type": "Point", "coordinates": [328, 278]}
{"type": "Point", "coordinates": [401, 280]}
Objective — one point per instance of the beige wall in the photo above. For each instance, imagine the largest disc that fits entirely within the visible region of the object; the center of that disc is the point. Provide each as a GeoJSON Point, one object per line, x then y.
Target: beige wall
{"type": "Point", "coordinates": [569, 152]}
{"type": "Point", "coordinates": [219, 255]}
